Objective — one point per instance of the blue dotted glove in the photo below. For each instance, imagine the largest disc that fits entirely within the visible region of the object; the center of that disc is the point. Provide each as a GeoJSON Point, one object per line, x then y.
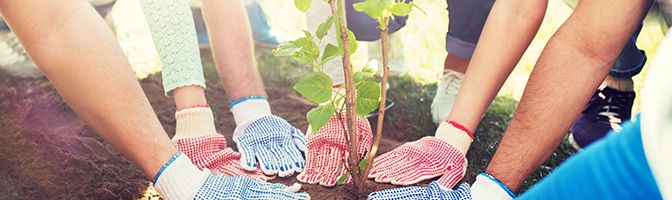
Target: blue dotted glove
{"type": "Point", "coordinates": [275, 143]}
{"type": "Point", "coordinates": [238, 187]}
{"type": "Point", "coordinates": [432, 191]}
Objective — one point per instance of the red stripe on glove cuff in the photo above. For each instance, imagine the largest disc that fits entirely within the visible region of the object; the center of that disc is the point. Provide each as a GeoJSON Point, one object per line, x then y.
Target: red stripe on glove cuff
{"type": "Point", "coordinates": [461, 127]}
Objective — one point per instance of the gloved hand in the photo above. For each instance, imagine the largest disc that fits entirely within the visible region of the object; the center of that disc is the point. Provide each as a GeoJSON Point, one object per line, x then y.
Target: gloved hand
{"type": "Point", "coordinates": [432, 191]}
{"type": "Point", "coordinates": [210, 152]}
{"type": "Point", "coordinates": [180, 179]}
{"type": "Point", "coordinates": [220, 187]}
{"type": "Point", "coordinates": [426, 158]}
{"type": "Point", "coordinates": [275, 143]}
{"type": "Point", "coordinates": [327, 151]}
{"type": "Point", "coordinates": [487, 187]}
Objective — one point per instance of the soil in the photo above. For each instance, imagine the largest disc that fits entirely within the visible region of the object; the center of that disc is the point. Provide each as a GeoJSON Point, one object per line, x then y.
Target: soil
{"type": "Point", "coordinates": [46, 152]}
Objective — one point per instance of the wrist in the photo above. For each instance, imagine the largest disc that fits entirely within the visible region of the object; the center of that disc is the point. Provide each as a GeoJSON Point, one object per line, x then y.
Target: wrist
{"type": "Point", "coordinates": [194, 122]}
{"type": "Point", "coordinates": [179, 178]}
{"type": "Point", "coordinates": [455, 134]}
{"type": "Point", "coordinates": [250, 108]}
{"type": "Point", "coordinates": [488, 187]}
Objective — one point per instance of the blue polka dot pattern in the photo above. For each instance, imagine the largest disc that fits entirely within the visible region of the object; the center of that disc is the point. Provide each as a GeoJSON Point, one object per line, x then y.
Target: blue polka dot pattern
{"type": "Point", "coordinates": [432, 191]}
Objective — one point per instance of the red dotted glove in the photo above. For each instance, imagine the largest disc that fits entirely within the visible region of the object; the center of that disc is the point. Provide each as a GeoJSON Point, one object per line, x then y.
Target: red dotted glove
{"type": "Point", "coordinates": [327, 151]}
{"type": "Point", "coordinates": [210, 151]}
{"type": "Point", "coordinates": [426, 158]}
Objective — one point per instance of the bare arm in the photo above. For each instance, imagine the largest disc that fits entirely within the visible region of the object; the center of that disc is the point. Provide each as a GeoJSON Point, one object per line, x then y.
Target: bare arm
{"type": "Point", "coordinates": [505, 37]}
{"type": "Point", "coordinates": [573, 64]}
{"type": "Point", "coordinates": [80, 56]}
{"type": "Point", "coordinates": [231, 39]}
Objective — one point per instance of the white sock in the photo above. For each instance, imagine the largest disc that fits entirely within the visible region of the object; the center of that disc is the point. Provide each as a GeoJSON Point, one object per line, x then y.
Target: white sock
{"type": "Point", "coordinates": [179, 179]}
{"type": "Point", "coordinates": [194, 122]}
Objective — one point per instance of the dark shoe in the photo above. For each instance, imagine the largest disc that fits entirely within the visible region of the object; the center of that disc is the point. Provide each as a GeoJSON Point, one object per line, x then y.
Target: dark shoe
{"type": "Point", "coordinates": [607, 109]}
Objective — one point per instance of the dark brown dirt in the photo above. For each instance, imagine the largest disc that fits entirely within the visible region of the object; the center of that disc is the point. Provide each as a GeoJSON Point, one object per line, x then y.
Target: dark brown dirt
{"type": "Point", "coordinates": [46, 152]}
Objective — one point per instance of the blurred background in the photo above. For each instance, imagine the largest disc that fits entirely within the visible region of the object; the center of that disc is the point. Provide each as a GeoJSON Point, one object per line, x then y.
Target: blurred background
{"type": "Point", "coordinates": [418, 48]}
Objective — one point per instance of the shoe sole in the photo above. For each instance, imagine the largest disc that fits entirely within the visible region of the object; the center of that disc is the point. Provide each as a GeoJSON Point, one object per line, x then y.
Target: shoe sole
{"type": "Point", "coordinates": [571, 141]}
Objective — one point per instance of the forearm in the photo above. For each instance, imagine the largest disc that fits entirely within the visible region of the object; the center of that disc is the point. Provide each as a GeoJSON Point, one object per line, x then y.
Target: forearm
{"type": "Point", "coordinates": [231, 40]}
{"type": "Point", "coordinates": [572, 65]}
{"type": "Point", "coordinates": [505, 37]}
{"type": "Point", "coordinates": [79, 55]}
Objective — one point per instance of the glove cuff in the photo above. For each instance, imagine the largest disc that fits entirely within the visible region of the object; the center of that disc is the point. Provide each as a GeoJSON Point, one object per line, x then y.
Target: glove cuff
{"type": "Point", "coordinates": [453, 134]}
{"type": "Point", "coordinates": [179, 179]}
{"type": "Point", "coordinates": [487, 187]}
{"type": "Point", "coordinates": [250, 110]}
{"type": "Point", "coordinates": [194, 122]}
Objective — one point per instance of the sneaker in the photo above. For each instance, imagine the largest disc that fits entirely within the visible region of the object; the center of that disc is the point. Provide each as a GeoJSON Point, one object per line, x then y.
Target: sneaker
{"type": "Point", "coordinates": [605, 111]}
{"type": "Point", "coordinates": [446, 93]}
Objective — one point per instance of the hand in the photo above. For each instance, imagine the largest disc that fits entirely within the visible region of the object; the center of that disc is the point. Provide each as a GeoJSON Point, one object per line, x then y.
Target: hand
{"type": "Point", "coordinates": [426, 158]}
{"type": "Point", "coordinates": [210, 152]}
{"type": "Point", "coordinates": [432, 191]}
{"type": "Point", "coordinates": [220, 187]}
{"type": "Point", "coordinates": [179, 179]}
{"type": "Point", "coordinates": [327, 151]}
{"type": "Point", "coordinates": [275, 143]}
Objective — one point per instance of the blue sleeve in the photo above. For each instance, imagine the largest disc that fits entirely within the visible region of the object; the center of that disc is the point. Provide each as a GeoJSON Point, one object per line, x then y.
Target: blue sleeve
{"type": "Point", "coordinates": [612, 168]}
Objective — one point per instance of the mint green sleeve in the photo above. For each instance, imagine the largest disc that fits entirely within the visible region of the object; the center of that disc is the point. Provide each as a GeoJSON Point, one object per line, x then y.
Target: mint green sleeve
{"type": "Point", "coordinates": [172, 27]}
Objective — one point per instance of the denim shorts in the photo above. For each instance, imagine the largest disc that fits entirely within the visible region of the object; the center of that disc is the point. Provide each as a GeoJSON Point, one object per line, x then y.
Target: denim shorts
{"type": "Point", "coordinates": [467, 18]}
{"type": "Point", "coordinates": [365, 27]}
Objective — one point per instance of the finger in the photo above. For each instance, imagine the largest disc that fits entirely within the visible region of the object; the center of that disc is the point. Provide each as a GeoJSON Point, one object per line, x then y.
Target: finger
{"type": "Point", "coordinates": [331, 172]}
{"type": "Point", "coordinates": [266, 161]}
{"type": "Point", "coordinates": [412, 193]}
{"type": "Point", "coordinates": [453, 176]}
{"type": "Point", "coordinates": [299, 139]}
{"type": "Point", "coordinates": [312, 171]}
{"type": "Point", "coordinates": [322, 163]}
{"type": "Point", "coordinates": [276, 191]}
{"type": "Point", "coordinates": [386, 174]}
{"type": "Point", "coordinates": [417, 176]}
{"type": "Point", "coordinates": [247, 157]}
{"type": "Point", "coordinates": [283, 161]}
{"type": "Point", "coordinates": [297, 160]}
{"type": "Point", "coordinates": [383, 162]}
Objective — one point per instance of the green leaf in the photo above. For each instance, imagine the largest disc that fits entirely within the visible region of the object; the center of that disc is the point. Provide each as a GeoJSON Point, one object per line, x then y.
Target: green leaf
{"type": "Point", "coordinates": [418, 7]}
{"type": "Point", "coordinates": [307, 34]}
{"type": "Point", "coordinates": [342, 178]}
{"type": "Point", "coordinates": [324, 27]}
{"type": "Point", "coordinates": [368, 69]}
{"type": "Point", "coordinates": [352, 42]}
{"type": "Point", "coordinates": [318, 117]}
{"type": "Point", "coordinates": [363, 76]}
{"type": "Point", "coordinates": [309, 52]}
{"type": "Point", "coordinates": [330, 51]}
{"type": "Point", "coordinates": [400, 9]}
{"type": "Point", "coordinates": [372, 8]}
{"type": "Point", "coordinates": [315, 87]}
{"type": "Point", "coordinates": [362, 164]}
{"type": "Point", "coordinates": [368, 97]}
{"type": "Point", "coordinates": [286, 49]}
{"type": "Point", "coordinates": [303, 5]}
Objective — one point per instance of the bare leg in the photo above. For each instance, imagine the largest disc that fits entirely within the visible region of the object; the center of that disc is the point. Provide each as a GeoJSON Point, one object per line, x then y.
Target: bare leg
{"type": "Point", "coordinates": [232, 47]}
{"type": "Point", "coordinates": [490, 67]}
{"type": "Point", "coordinates": [589, 41]}
{"type": "Point", "coordinates": [79, 55]}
